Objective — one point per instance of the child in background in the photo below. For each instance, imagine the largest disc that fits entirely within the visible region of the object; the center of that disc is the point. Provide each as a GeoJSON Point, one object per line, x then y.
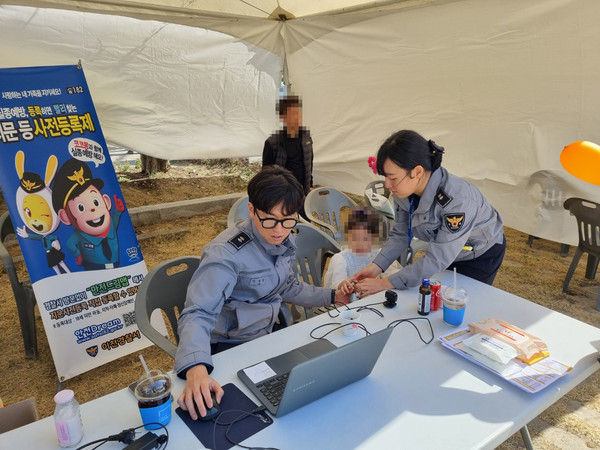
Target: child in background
{"type": "Point", "coordinates": [362, 236]}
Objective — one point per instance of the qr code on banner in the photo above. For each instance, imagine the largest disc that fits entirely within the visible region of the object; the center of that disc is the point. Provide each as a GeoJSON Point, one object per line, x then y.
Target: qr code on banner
{"type": "Point", "coordinates": [129, 318]}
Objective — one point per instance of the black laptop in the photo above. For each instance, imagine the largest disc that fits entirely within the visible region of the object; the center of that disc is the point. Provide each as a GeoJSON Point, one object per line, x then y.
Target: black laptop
{"type": "Point", "coordinates": [291, 380]}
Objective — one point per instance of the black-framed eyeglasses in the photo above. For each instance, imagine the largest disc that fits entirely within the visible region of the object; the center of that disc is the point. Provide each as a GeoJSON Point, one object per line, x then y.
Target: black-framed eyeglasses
{"type": "Point", "coordinates": [269, 223]}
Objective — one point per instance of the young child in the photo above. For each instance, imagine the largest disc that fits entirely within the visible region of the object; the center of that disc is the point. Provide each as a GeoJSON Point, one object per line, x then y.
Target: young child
{"type": "Point", "coordinates": [362, 235]}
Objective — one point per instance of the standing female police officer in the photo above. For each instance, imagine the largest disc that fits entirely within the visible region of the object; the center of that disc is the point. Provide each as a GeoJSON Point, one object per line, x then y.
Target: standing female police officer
{"type": "Point", "coordinates": [244, 275]}
{"type": "Point", "coordinates": [462, 228]}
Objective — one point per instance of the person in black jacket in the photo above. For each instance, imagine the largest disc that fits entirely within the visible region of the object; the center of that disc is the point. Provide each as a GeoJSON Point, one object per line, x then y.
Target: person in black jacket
{"type": "Point", "coordinates": [291, 147]}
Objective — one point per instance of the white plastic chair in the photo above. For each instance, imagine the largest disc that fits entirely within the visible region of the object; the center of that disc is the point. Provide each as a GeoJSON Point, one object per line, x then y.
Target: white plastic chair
{"type": "Point", "coordinates": [238, 211]}
{"type": "Point", "coordinates": [313, 248]}
{"type": "Point", "coordinates": [377, 197]}
{"type": "Point", "coordinates": [323, 207]}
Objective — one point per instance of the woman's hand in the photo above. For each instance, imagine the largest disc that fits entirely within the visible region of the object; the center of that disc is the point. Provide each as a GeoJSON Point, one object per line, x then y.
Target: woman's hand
{"type": "Point", "coordinates": [370, 286]}
{"type": "Point", "coordinates": [199, 384]}
{"type": "Point", "coordinates": [371, 271]}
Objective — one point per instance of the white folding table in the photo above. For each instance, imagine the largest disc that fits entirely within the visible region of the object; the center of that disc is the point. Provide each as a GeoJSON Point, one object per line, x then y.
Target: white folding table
{"type": "Point", "coordinates": [419, 396]}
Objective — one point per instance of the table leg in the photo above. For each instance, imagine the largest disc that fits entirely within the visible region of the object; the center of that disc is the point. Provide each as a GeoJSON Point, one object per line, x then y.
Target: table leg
{"type": "Point", "coordinates": [526, 438]}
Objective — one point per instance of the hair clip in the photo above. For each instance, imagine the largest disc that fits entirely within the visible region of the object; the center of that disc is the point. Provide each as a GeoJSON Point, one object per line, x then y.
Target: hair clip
{"type": "Point", "coordinates": [435, 148]}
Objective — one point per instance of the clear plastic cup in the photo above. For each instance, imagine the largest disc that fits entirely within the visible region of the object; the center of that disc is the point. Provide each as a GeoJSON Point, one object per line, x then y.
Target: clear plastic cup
{"type": "Point", "coordinates": [154, 398]}
{"type": "Point", "coordinates": [455, 302]}
{"type": "Point", "coordinates": [350, 319]}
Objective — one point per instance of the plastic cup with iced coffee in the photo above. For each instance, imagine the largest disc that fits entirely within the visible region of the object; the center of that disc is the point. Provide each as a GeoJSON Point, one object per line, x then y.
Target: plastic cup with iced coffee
{"type": "Point", "coordinates": [153, 393]}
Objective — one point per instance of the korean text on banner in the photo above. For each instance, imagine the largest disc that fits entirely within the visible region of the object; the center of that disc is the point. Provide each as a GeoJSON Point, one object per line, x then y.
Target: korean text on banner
{"type": "Point", "coordinates": [75, 233]}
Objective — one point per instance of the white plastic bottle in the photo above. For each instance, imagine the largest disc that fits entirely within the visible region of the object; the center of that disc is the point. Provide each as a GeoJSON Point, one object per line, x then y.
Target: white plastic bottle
{"type": "Point", "coordinates": [67, 418]}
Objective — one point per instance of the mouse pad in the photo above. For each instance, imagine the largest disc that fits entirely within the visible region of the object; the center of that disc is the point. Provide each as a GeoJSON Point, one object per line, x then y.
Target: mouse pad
{"type": "Point", "coordinates": [233, 405]}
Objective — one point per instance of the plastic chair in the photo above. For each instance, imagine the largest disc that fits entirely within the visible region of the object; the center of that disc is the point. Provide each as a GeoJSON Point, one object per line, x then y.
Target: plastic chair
{"type": "Point", "coordinates": [22, 291]}
{"type": "Point", "coordinates": [550, 190]}
{"type": "Point", "coordinates": [587, 214]}
{"type": "Point", "coordinates": [238, 211]}
{"type": "Point", "coordinates": [323, 207]}
{"type": "Point", "coordinates": [165, 288]}
{"type": "Point", "coordinates": [378, 187]}
{"type": "Point", "coordinates": [313, 248]}
{"type": "Point", "coordinates": [377, 197]}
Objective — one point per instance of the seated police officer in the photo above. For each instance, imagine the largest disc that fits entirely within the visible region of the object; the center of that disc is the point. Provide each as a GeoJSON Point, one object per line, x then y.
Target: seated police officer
{"type": "Point", "coordinates": [244, 275]}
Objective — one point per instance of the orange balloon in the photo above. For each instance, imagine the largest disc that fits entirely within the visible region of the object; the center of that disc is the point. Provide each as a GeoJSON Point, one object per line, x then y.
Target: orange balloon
{"type": "Point", "coordinates": [582, 160]}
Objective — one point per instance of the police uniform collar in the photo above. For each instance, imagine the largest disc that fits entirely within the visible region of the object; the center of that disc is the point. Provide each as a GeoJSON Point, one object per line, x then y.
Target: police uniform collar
{"type": "Point", "coordinates": [271, 249]}
{"type": "Point", "coordinates": [435, 180]}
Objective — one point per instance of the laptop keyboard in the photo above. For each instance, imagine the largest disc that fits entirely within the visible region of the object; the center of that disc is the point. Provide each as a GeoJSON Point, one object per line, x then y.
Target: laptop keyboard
{"type": "Point", "coordinates": [273, 388]}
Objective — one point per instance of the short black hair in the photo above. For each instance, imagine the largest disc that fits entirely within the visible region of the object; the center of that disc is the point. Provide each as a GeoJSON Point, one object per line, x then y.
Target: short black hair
{"type": "Point", "coordinates": [365, 218]}
{"type": "Point", "coordinates": [274, 185]}
{"type": "Point", "coordinates": [288, 102]}
{"type": "Point", "coordinates": [408, 149]}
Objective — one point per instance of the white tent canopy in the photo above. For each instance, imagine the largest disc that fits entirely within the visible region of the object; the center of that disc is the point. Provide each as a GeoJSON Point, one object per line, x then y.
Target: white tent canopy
{"type": "Point", "coordinates": [503, 86]}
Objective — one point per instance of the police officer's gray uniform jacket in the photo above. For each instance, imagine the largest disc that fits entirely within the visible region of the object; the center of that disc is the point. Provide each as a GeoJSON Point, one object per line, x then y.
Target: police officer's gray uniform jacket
{"type": "Point", "coordinates": [452, 214]}
{"type": "Point", "coordinates": [235, 294]}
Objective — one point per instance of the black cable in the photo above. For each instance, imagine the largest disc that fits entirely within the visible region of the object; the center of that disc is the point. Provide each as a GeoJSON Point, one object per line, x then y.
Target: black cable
{"type": "Point", "coordinates": [244, 414]}
{"type": "Point", "coordinates": [127, 437]}
{"type": "Point", "coordinates": [102, 441]}
{"type": "Point", "coordinates": [357, 308]}
{"type": "Point", "coordinates": [359, 325]}
{"type": "Point", "coordinates": [395, 323]}
{"type": "Point", "coordinates": [163, 438]}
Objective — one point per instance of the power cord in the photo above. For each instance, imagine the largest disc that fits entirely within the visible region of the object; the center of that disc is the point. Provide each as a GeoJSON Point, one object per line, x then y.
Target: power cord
{"type": "Point", "coordinates": [145, 442]}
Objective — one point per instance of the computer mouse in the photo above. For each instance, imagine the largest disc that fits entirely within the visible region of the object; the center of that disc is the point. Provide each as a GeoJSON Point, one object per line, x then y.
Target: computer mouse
{"type": "Point", "coordinates": [211, 413]}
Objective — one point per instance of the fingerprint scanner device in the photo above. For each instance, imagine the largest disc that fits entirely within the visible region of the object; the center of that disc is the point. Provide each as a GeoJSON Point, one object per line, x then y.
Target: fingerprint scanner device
{"type": "Point", "coordinates": [390, 299]}
{"type": "Point", "coordinates": [289, 381]}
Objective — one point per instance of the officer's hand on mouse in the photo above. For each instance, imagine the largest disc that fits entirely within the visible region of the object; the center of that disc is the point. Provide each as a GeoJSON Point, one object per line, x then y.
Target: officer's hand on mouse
{"type": "Point", "coordinates": [197, 392]}
{"type": "Point", "coordinates": [212, 412]}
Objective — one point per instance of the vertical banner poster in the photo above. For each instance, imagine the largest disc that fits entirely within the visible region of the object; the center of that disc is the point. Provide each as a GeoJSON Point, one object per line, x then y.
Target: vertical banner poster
{"type": "Point", "coordinates": [67, 208]}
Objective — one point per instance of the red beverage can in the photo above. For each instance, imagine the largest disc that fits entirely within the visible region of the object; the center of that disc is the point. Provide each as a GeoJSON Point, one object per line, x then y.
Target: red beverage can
{"type": "Point", "coordinates": [436, 295]}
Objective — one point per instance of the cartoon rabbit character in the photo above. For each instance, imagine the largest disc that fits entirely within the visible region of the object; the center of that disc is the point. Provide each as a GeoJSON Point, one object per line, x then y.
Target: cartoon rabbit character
{"type": "Point", "coordinates": [34, 200]}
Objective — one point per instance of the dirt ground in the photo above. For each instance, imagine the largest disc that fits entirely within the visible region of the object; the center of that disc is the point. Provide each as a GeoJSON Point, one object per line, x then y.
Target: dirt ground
{"type": "Point", "coordinates": [535, 273]}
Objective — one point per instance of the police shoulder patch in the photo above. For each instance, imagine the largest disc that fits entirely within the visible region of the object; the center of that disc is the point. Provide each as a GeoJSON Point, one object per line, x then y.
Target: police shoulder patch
{"type": "Point", "coordinates": [454, 222]}
{"type": "Point", "coordinates": [442, 198]}
{"type": "Point", "coordinates": [239, 240]}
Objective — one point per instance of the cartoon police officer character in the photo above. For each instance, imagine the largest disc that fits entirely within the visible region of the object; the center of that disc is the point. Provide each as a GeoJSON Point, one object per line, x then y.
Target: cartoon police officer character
{"type": "Point", "coordinates": [78, 200]}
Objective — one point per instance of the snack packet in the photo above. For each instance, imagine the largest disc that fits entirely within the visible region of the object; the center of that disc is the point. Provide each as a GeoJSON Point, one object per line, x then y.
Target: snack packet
{"type": "Point", "coordinates": [530, 348]}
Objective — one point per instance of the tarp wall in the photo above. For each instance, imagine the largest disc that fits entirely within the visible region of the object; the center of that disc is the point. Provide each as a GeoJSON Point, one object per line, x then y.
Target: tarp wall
{"type": "Point", "coordinates": [165, 90]}
{"type": "Point", "coordinates": [503, 86]}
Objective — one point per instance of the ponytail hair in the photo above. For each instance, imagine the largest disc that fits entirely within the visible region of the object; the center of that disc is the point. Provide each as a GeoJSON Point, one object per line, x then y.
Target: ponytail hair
{"type": "Point", "coordinates": [408, 149]}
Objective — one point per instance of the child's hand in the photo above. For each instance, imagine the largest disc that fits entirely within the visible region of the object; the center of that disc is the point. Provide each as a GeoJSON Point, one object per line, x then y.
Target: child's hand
{"type": "Point", "coordinates": [346, 286]}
